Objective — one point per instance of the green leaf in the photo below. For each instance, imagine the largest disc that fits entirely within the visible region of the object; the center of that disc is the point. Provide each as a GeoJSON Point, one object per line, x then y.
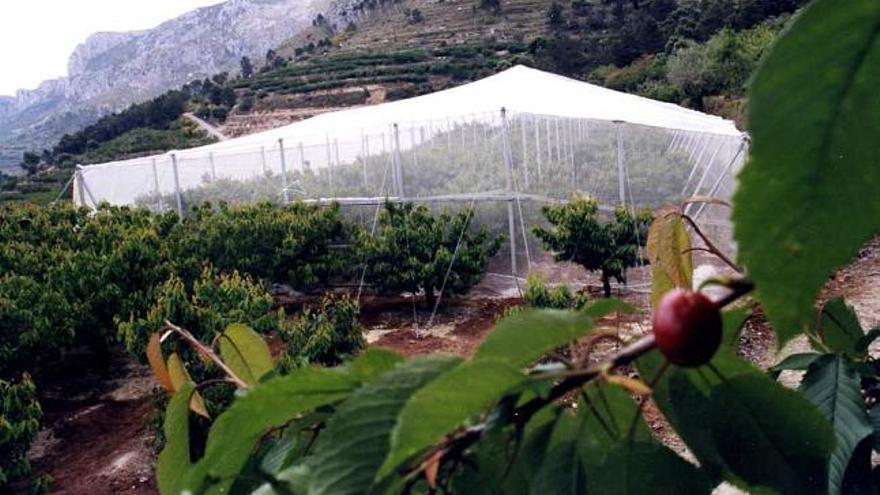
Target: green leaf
{"type": "Point", "coordinates": [866, 340]}
{"type": "Point", "coordinates": [732, 323]}
{"type": "Point", "coordinates": [797, 362]}
{"type": "Point", "coordinates": [669, 254]}
{"type": "Point", "coordinates": [874, 415]}
{"type": "Point", "coordinates": [730, 432]}
{"type": "Point", "coordinates": [562, 468]}
{"type": "Point", "coordinates": [357, 438]}
{"type": "Point", "coordinates": [770, 436]}
{"type": "Point", "coordinates": [246, 353]}
{"type": "Point", "coordinates": [446, 404]}
{"type": "Point", "coordinates": [521, 338]}
{"type": "Point", "coordinates": [839, 326]}
{"type": "Point", "coordinates": [859, 480]}
{"type": "Point", "coordinates": [835, 388]}
{"type": "Point", "coordinates": [271, 404]}
{"type": "Point", "coordinates": [646, 468]}
{"type": "Point", "coordinates": [807, 200]}
{"type": "Point", "coordinates": [179, 377]}
{"type": "Point", "coordinates": [601, 308]}
{"type": "Point", "coordinates": [174, 459]}
{"type": "Point", "coordinates": [373, 363]}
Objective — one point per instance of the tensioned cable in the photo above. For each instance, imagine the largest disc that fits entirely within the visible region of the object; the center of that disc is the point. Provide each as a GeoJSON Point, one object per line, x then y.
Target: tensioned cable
{"type": "Point", "coordinates": [455, 252]}
{"type": "Point", "coordinates": [383, 189]}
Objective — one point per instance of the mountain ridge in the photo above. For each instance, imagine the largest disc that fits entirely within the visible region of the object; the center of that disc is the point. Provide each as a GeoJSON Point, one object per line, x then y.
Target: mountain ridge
{"type": "Point", "coordinates": [111, 70]}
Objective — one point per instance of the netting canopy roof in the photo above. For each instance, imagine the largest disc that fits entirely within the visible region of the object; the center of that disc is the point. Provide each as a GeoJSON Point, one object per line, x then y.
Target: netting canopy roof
{"type": "Point", "coordinates": [521, 130]}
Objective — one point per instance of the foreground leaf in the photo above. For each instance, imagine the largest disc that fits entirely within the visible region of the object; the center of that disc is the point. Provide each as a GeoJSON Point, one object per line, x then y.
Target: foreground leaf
{"type": "Point", "coordinates": [270, 405]}
{"type": "Point", "coordinates": [644, 468]}
{"type": "Point", "coordinates": [835, 388]}
{"type": "Point", "coordinates": [445, 404]}
{"type": "Point", "coordinates": [520, 339]}
{"type": "Point", "coordinates": [157, 363]}
{"type": "Point", "coordinates": [797, 362]}
{"type": "Point", "coordinates": [669, 255]}
{"type": "Point", "coordinates": [839, 326]}
{"type": "Point", "coordinates": [179, 377]}
{"type": "Point", "coordinates": [246, 353]}
{"type": "Point", "coordinates": [357, 438]}
{"type": "Point", "coordinates": [807, 200]}
{"type": "Point", "coordinates": [770, 436]}
{"type": "Point", "coordinates": [174, 459]}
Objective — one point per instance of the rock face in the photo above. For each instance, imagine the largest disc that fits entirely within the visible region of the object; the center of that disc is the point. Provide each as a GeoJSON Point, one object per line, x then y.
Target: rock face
{"type": "Point", "coordinates": [109, 71]}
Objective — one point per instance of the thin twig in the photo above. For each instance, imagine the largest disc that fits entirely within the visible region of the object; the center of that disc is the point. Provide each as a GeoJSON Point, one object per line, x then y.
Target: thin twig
{"type": "Point", "coordinates": [206, 351]}
{"type": "Point", "coordinates": [709, 244]}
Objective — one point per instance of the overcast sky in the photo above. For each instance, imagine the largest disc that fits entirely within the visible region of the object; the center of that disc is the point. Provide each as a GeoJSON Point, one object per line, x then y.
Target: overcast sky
{"type": "Point", "coordinates": [38, 36]}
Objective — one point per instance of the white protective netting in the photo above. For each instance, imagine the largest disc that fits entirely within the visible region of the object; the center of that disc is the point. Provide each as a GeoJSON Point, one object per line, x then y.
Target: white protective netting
{"type": "Point", "coordinates": [507, 143]}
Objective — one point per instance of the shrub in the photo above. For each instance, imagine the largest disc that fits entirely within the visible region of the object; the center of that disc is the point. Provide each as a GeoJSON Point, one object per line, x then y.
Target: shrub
{"type": "Point", "coordinates": [324, 336]}
{"type": "Point", "coordinates": [578, 235]}
{"type": "Point", "coordinates": [34, 324]}
{"type": "Point", "coordinates": [281, 244]}
{"type": "Point", "coordinates": [538, 295]}
{"type": "Point", "coordinates": [205, 309]}
{"type": "Point", "coordinates": [19, 423]}
{"type": "Point", "coordinates": [413, 251]}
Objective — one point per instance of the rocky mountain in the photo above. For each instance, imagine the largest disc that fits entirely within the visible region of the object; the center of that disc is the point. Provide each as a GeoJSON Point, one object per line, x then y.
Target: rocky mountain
{"type": "Point", "coordinates": [109, 71]}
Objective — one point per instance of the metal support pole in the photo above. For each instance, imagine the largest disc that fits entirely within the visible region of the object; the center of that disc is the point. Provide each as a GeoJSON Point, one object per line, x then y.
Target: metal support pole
{"type": "Point", "coordinates": [177, 195]}
{"type": "Point", "coordinates": [549, 140]}
{"type": "Point", "coordinates": [366, 144]}
{"type": "Point", "coordinates": [156, 185]}
{"type": "Point", "coordinates": [398, 168]}
{"type": "Point", "coordinates": [525, 153]}
{"type": "Point", "coordinates": [302, 157]}
{"type": "Point", "coordinates": [511, 224]}
{"type": "Point", "coordinates": [80, 199]}
{"type": "Point", "coordinates": [263, 159]}
{"type": "Point", "coordinates": [538, 154]}
{"type": "Point", "coordinates": [213, 169]}
{"type": "Point", "coordinates": [329, 163]}
{"type": "Point", "coordinates": [285, 194]}
{"type": "Point", "coordinates": [620, 164]}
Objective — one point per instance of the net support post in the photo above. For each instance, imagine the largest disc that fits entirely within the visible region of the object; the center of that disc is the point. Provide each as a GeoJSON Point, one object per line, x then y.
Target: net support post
{"type": "Point", "coordinates": [177, 196]}
{"type": "Point", "coordinates": [263, 158]}
{"type": "Point", "coordinates": [511, 222]}
{"type": "Point", "coordinates": [80, 199]}
{"type": "Point", "coordinates": [285, 194]}
{"type": "Point", "coordinates": [398, 168]}
{"type": "Point", "coordinates": [621, 163]}
{"type": "Point", "coordinates": [156, 191]}
{"type": "Point", "coordinates": [329, 163]}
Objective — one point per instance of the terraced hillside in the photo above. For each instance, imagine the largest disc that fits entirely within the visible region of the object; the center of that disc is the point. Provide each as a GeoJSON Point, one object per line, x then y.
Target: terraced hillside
{"type": "Point", "coordinates": [442, 23]}
{"type": "Point", "coordinates": [347, 78]}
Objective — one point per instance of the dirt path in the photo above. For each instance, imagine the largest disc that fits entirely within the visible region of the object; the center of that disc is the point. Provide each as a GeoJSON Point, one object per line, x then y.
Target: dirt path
{"type": "Point", "coordinates": [96, 437]}
{"type": "Point", "coordinates": [205, 126]}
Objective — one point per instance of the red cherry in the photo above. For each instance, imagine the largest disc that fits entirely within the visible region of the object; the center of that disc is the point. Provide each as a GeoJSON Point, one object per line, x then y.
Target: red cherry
{"type": "Point", "coordinates": [687, 327]}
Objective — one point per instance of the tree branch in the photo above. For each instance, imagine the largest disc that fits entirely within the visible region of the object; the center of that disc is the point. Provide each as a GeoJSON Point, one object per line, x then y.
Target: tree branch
{"type": "Point", "coordinates": [208, 352]}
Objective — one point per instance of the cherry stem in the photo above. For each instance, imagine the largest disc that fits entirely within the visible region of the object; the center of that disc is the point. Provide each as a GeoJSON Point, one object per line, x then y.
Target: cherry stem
{"type": "Point", "coordinates": [205, 350]}
{"type": "Point", "coordinates": [710, 245]}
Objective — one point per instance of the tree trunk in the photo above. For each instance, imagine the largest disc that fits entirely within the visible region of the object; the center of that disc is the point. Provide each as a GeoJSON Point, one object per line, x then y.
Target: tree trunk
{"type": "Point", "coordinates": [606, 285]}
{"type": "Point", "coordinates": [430, 297]}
